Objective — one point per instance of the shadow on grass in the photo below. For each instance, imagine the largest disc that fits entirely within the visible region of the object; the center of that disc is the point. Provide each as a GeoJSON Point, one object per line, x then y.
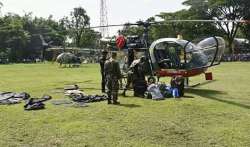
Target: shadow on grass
{"type": "Point", "coordinates": [61, 89]}
{"type": "Point", "coordinates": [214, 94]}
{"type": "Point", "coordinates": [90, 88]}
{"type": "Point", "coordinates": [187, 97]}
{"type": "Point", "coordinates": [81, 82]}
{"type": "Point", "coordinates": [129, 105]}
{"type": "Point", "coordinates": [203, 83]}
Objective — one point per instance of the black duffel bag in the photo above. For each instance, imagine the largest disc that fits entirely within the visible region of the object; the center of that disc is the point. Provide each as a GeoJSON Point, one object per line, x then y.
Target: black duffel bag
{"type": "Point", "coordinates": [140, 87]}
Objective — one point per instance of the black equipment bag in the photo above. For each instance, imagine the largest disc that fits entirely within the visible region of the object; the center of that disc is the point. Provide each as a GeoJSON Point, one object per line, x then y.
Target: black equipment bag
{"type": "Point", "coordinates": [140, 87]}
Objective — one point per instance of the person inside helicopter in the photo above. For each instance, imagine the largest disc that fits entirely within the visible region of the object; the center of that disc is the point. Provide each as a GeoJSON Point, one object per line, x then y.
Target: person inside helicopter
{"type": "Point", "coordinates": [162, 56]}
{"type": "Point", "coordinates": [196, 59]}
{"type": "Point", "coordinates": [174, 56]}
{"type": "Point", "coordinates": [169, 56]}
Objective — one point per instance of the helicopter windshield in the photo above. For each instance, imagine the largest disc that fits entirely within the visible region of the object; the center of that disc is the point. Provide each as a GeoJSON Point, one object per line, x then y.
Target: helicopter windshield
{"type": "Point", "coordinates": [207, 52]}
{"type": "Point", "coordinates": [213, 48]}
{"type": "Point", "coordinates": [171, 53]}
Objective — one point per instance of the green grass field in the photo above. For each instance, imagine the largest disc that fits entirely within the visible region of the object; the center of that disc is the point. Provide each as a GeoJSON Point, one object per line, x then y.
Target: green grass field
{"type": "Point", "coordinates": [215, 114]}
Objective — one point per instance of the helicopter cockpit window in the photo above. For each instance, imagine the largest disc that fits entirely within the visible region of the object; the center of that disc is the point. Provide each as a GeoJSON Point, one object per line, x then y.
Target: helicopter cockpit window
{"type": "Point", "coordinates": [213, 48]}
{"type": "Point", "coordinates": [169, 55]}
{"type": "Point", "coordinates": [206, 53]}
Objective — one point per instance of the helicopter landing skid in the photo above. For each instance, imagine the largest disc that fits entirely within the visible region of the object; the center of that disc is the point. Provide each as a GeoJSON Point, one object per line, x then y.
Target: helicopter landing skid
{"type": "Point", "coordinates": [186, 83]}
{"type": "Point", "coordinates": [192, 86]}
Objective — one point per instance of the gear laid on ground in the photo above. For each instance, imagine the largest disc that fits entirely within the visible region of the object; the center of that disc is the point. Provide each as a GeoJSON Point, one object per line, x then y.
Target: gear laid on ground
{"type": "Point", "coordinates": [8, 98]}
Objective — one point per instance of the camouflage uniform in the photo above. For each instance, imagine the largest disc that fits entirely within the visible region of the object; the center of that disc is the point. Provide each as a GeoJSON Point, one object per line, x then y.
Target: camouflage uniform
{"type": "Point", "coordinates": [112, 75]}
{"type": "Point", "coordinates": [102, 62]}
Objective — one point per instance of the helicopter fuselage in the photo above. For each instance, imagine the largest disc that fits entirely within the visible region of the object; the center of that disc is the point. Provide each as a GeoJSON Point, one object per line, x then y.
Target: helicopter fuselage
{"type": "Point", "coordinates": [176, 57]}
{"type": "Point", "coordinates": [173, 57]}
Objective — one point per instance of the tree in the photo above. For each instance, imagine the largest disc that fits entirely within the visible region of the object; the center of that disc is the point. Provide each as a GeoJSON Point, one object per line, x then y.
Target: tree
{"type": "Point", "coordinates": [221, 10]}
{"type": "Point", "coordinates": [227, 10]}
{"type": "Point", "coordinates": [76, 24]}
{"type": "Point", "coordinates": [90, 39]}
{"type": "Point", "coordinates": [51, 30]}
{"type": "Point", "coordinates": [27, 37]}
{"type": "Point", "coordinates": [189, 30]}
{"type": "Point", "coordinates": [245, 5]}
{"type": "Point", "coordinates": [161, 31]}
{"type": "Point", "coordinates": [13, 36]}
{"type": "Point", "coordinates": [44, 32]}
{"type": "Point", "coordinates": [132, 30]}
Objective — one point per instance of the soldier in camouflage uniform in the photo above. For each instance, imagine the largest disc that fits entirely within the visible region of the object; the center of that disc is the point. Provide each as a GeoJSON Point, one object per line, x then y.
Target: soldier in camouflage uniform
{"type": "Point", "coordinates": [112, 74]}
{"type": "Point", "coordinates": [102, 62]}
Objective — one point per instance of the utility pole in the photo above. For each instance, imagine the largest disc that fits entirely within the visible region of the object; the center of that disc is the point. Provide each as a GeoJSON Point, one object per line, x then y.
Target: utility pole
{"type": "Point", "coordinates": [104, 19]}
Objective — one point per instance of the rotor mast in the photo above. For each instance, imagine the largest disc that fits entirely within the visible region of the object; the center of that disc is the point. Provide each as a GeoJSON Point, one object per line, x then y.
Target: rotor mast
{"type": "Point", "coordinates": [104, 19]}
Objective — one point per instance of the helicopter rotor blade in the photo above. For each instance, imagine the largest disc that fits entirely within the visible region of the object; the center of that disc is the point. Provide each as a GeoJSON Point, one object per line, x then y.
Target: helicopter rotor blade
{"type": "Point", "coordinates": [95, 27]}
{"type": "Point", "coordinates": [166, 22]}
{"type": "Point", "coordinates": [119, 25]}
{"type": "Point", "coordinates": [141, 23]}
{"type": "Point", "coordinates": [201, 20]}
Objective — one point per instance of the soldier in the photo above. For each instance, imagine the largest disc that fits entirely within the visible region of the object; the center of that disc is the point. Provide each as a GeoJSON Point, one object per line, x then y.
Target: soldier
{"type": "Point", "coordinates": [130, 56]}
{"type": "Point", "coordinates": [102, 62]}
{"type": "Point", "coordinates": [139, 82]}
{"type": "Point", "coordinates": [112, 75]}
{"type": "Point", "coordinates": [136, 76]}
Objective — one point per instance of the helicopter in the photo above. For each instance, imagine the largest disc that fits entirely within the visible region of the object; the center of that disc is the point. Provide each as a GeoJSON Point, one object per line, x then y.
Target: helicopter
{"type": "Point", "coordinates": [171, 57]}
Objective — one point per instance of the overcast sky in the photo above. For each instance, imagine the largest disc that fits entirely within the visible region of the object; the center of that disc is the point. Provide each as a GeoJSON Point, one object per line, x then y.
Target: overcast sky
{"type": "Point", "coordinates": [119, 11]}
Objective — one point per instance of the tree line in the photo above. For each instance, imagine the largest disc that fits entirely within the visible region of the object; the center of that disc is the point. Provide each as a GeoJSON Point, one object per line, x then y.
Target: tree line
{"type": "Point", "coordinates": [23, 37]}
{"type": "Point", "coordinates": [26, 37]}
{"type": "Point", "coordinates": [202, 10]}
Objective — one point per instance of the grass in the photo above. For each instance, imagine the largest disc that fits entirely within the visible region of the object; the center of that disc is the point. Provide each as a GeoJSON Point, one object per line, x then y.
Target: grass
{"type": "Point", "coordinates": [215, 114]}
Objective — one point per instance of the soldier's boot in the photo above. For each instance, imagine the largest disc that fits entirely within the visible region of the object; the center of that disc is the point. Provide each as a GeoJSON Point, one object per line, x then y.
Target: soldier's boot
{"type": "Point", "coordinates": [109, 101]}
{"type": "Point", "coordinates": [116, 103]}
{"type": "Point", "coordinates": [115, 98]}
{"type": "Point", "coordinates": [125, 89]}
{"type": "Point", "coordinates": [109, 98]}
{"type": "Point", "coordinates": [103, 87]}
{"type": "Point", "coordinates": [124, 93]}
